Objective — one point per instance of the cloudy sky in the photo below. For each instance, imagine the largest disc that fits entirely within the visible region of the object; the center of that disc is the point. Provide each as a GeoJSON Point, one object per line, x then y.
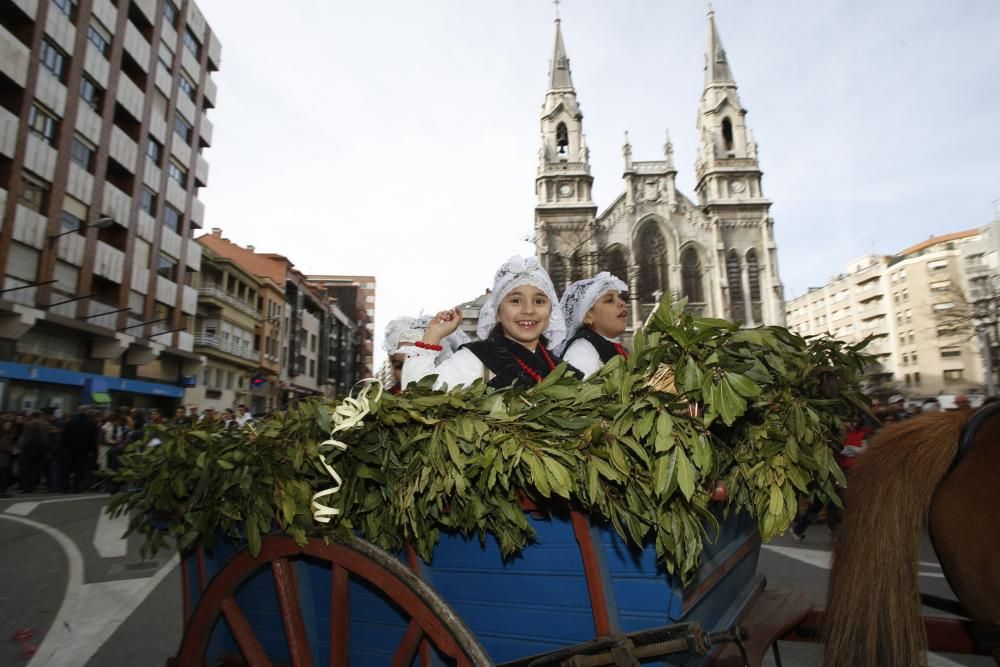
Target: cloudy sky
{"type": "Point", "coordinates": [400, 138]}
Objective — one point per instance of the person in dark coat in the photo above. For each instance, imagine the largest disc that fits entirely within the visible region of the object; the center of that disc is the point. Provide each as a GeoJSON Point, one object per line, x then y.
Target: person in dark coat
{"type": "Point", "coordinates": [79, 446]}
{"type": "Point", "coordinates": [34, 441]}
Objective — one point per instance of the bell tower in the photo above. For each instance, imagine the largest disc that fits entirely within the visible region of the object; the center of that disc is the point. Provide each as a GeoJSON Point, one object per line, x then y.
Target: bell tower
{"type": "Point", "coordinates": [564, 210]}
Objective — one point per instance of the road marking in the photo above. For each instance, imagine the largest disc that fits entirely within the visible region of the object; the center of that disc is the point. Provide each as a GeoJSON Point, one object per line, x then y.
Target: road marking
{"type": "Point", "coordinates": [29, 506]}
{"type": "Point", "coordinates": [89, 613]}
{"type": "Point", "coordinates": [823, 559]}
{"type": "Point", "coordinates": [108, 534]}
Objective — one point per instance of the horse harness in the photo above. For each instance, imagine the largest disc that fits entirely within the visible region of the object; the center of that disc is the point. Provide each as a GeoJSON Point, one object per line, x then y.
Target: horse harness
{"type": "Point", "coordinates": [971, 429]}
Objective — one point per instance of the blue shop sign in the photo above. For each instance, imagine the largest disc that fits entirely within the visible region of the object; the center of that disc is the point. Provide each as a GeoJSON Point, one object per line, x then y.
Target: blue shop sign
{"type": "Point", "coordinates": [101, 383]}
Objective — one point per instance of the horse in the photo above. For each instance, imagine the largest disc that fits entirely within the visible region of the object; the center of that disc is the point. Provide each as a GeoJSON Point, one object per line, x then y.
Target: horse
{"type": "Point", "coordinates": [912, 476]}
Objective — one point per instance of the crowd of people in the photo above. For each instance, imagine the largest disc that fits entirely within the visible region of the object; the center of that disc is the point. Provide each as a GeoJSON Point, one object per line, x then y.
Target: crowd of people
{"type": "Point", "coordinates": [41, 450]}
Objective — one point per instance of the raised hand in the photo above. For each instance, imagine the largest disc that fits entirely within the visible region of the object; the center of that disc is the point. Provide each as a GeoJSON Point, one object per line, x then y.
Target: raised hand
{"type": "Point", "coordinates": [444, 324]}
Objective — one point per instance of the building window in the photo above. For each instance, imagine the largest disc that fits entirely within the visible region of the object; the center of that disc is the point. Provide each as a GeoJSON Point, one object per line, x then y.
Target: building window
{"type": "Point", "coordinates": [734, 277]}
{"type": "Point", "coordinates": [71, 223]}
{"type": "Point", "coordinates": [916, 379]}
{"type": "Point", "coordinates": [53, 59]}
{"type": "Point", "coordinates": [952, 376]}
{"type": "Point", "coordinates": [192, 44]}
{"type": "Point", "coordinates": [172, 218]}
{"type": "Point", "coordinates": [170, 13]}
{"type": "Point", "coordinates": [229, 379]}
{"type": "Point", "coordinates": [82, 153]}
{"type": "Point", "coordinates": [34, 193]}
{"type": "Point", "coordinates": [166, 267]}
{"type": "Point", "coordinates": [562, 140]}
{"type": "Point", "coordinates": [312, 368]}
{"type": "Point", "coordinates": [178, 173]}
{"type": "Point", "coordinates": [187, 86]}
{"type": "Point", "coordinates": [753, 274]}
{"type": "Point", "coordinates": [950, 352]}
{"type": "Point", "coordinates": [67, 7]}
{"type": "Point", "coordinates": [91, 93]}
{"type": "Point", "coordinates": [100, 37]}
{"type": "Point", "coordinates": [312, 343]}
{"type": "Point", "coordinates": [147, 201]}
{"type": "Point", "coordinates": [44, 124]}
{"type": "Point", "coordinates": [691, 276]}
{"type": "Point", "coordinates": [652, 264]}
{"type": "Point", "coordinates": [937, 265]}
{"type": "Point", "coordinates": [727, 134]}
{"type": "Point", "coordinates": [154, 150]}
{"type": "Point", "coordinates": [182, 128]}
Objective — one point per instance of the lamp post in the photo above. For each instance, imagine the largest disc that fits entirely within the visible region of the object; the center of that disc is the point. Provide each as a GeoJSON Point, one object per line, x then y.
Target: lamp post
{"type": "Point", "coordinates": [100, 223]}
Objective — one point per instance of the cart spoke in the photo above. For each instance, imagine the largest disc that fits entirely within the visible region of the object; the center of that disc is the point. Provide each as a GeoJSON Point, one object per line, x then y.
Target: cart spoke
{"type": "Point", "coordinates": [408, 647]}
{"type": "Point", "coordinates": [340, 616]}
{"type": "Point", "coordinates": [291, 613]}
{"type": "Point", "coordinates": [251, 649]}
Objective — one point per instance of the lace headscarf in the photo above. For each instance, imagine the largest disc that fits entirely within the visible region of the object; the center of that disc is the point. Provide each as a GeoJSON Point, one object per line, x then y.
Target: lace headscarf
{"type": "Point", "coordinates": [581, 296]}
{"type": "Point", "coordinates": [518, 271]}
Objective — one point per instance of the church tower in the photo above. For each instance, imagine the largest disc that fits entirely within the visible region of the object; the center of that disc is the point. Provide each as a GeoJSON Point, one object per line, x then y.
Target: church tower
{"type": "Point", "coordinates": [565, 211]}
{"type": "Point", "coordinates": [728, 183]}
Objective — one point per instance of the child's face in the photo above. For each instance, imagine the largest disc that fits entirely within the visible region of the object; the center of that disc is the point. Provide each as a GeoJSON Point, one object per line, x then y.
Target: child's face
{"type": "Point", "coordinates": [397, 365]}
{"type": "Point", "coordinates": [524, 314]}
{"type": "Point", "coordinates": [609, 316]}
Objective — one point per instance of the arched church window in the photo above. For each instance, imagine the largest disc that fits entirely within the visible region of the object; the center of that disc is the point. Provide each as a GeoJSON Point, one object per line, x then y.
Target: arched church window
{"type": "Point", "coordinates": [612, 259]}
{"type": "Point", "coordinates": [691, 276]}
{"type": "Point", "coordinates": [652, 264]}
{"type": "Point", "coordinates": [735, 278]}
{"type": "Point", "coordinates": [577, 270]}
{"type": "Point", "coordinates": [557, 271]}
{"type": "Point", "coordinates": [753, 272]}
{"type": "Point", "coordinates": [562, 140]}
{"type": "Point", "coordinates": [727, 134]}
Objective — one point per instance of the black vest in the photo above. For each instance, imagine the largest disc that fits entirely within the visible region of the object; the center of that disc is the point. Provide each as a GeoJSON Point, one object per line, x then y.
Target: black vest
{"type": "Point", "coordinates": [500, 355]}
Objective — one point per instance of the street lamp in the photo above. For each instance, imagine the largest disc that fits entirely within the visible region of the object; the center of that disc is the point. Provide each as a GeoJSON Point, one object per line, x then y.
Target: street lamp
{"type": "Point", "coordinates": [100, 223]}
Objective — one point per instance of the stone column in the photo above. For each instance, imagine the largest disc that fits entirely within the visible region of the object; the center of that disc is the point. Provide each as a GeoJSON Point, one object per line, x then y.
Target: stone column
{"type": "Point", "coordinates": [747, 303]}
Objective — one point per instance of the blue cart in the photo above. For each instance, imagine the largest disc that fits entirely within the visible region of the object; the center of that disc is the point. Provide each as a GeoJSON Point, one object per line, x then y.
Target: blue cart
{"type": "Point", "coordinates": [579, 596]}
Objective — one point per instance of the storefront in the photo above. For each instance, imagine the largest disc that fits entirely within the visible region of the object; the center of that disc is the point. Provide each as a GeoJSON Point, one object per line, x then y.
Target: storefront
{"type": "Point", "coordinates": [24, 387]}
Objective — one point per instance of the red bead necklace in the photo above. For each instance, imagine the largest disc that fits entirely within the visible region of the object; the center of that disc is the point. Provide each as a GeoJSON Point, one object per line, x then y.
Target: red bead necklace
{"type": "Point", "coordinates": [531, 373]}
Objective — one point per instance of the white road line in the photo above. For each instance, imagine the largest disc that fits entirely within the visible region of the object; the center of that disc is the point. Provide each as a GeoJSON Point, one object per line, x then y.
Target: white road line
{"type": "Point", "coordinates": [823, 559]}
{"type": "Point", "coordinates": [108, 538]}
{"type": "Point", "coordinates": [89, 613]}
{"type": "Point", "coordinates": [27, 507]}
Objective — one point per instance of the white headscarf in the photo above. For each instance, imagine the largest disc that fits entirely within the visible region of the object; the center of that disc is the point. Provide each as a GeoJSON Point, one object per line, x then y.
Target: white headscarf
{"type": "Point", "coordinates": [515, 272]}
{"type": "Point", "coordinates": [581, 296]}
{"type": "Point", "coordinates": [406, 330]}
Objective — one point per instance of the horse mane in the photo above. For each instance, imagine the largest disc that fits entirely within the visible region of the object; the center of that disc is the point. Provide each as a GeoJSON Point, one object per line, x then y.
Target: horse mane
{"type": "Point", "coordinates": [873, 601]}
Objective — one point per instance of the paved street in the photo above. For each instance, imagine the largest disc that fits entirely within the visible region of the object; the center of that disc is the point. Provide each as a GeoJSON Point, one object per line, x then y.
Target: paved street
{"type": "Point", "coordinates": [94, 602]}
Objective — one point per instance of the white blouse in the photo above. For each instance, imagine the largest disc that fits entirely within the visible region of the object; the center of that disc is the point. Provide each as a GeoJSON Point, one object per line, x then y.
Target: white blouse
{"type": "Point", "coordinates": [461, 368]}
{"type": "Point", "coordinates": [583, 356]}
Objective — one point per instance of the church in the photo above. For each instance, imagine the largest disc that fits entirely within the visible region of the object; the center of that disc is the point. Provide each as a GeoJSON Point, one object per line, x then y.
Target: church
{"type": "Point", "coordinates": [717, 250]}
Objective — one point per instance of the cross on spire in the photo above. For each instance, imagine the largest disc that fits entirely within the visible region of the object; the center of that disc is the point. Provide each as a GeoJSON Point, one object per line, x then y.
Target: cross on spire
{"type": "Point", "coordinates": [557, 3]}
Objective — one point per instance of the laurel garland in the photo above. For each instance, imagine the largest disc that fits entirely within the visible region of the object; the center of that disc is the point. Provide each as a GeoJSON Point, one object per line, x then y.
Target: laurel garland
{"type": "Point", "coordinates": [641, 445]}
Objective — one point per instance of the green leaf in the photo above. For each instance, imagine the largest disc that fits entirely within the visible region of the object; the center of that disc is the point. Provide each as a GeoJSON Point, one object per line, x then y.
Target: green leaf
{"type": "Point", "coordinates": [685, 474]}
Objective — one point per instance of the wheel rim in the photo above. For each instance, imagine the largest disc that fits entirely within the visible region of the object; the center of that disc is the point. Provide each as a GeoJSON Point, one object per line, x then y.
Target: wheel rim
{"type": "Point", "coordinates": [431, 618]}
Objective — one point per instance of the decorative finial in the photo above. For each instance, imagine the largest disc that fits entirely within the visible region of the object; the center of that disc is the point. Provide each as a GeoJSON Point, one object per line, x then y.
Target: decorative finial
{"type": "Point", "coordinates": [626, 137]}
{"type": "Point", "coordinates": [557, 3]}
{"type": "Point", "coordinates": [710, 10]}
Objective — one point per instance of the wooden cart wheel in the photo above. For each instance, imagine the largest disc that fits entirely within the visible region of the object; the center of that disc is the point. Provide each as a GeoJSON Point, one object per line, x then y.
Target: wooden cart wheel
{"type": "Point", "coordinates": [431, 619]}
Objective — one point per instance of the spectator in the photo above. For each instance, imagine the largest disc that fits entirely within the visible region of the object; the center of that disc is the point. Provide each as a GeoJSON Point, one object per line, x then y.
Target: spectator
{"type": "Point", "coordinates": [229, 418]}
{"type": "Point", "coordinates": [931, 405]}
{"type": "Point", "coordinates": [34, 445]}
{"type": "Point", "coordinates": [962, 402]}
{"type": "Point", "coordinates": [242, 415]}
{"type": "Point", "coordinates": [79, 446]}
{"type": "Point", "coordinates": [7, 442]}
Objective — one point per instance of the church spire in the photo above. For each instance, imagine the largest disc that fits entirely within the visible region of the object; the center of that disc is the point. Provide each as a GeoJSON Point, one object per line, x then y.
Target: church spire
{"type": "Point", "coordinates": [716, 65]}
{"type": "Point", "coordinates": [559, 73]}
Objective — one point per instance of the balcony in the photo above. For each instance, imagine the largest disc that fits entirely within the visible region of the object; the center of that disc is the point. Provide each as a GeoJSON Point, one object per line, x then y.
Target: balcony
{"type": "Point", "coordinates": [197, 212]}
{"type": "Point", "coordinates": [206, 130]}
{"type": "Point", "coordinates": [123, 149]}
{"type": "Point", "coordinates": [40, 157]}
{"type": "Point", "coordinates": [130, 96]}
{"type": "Point", "coordinates": [116, 203]}
{"type": "Point", "coordinates": [140, 279]}
{"type": "Point", "coordinates": [216, 343]}
{"type": "Point", "coordinates": [71, 247]}
{"type": "Point", "coordinates": [146, 226]}
{"type": "Point", "coordinates": [170, 243]}
{"type": "Point", "coordinates": [109, 262]}
{"type": "Point", "coordinates": [8, 132]}
{"type": "Point", "coordinates": [15, 56]}
{"type": "Point", "coordinates": [185, 341]}
{"type": "Point", "coordinates": [24, 296]}
{"type": "Point", "coordinates": [104, 315]}
{"type": "Point", "coordinates": [189, 300]}
{"type": "Point", "coordinates": [193, 259]}
{"type": "Point", "coordinates": [29, 227]}
{"type": "Point", "coordinates": [96, 65]}
{"type": "Point", "coordinates": [210, 291]}
{"type": "Point", "coordinates": [166, 291]}
{"type": "Point", "coordinates": [106, 12]}
{"type": "Point", "coordinates": [211, 91]}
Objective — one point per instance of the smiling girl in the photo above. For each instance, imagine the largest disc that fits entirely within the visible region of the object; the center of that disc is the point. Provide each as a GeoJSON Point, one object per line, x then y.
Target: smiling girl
{"type": "Point", "coordinates": [596, 314]}
{"type": "Point", "coordinates": [518, 323]}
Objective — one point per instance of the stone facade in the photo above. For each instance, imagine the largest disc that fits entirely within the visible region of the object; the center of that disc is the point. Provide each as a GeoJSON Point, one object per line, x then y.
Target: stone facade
{"type": "Point", "coordinates": [716, 249]}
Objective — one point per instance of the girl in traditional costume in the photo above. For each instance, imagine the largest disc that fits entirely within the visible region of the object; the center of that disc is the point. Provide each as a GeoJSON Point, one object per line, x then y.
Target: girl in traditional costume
{"type": "Point", "coordinates": [596, 315]}
{"type": "Point", "coordinates": [403, 332]}
{"type": "Point", "coordinates": [519, 324]}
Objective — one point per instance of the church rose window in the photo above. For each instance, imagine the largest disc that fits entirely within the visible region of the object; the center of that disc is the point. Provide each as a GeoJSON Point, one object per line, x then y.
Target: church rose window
{"type": "Point", "coordinates": [652, 264]}
{"type": "Point", "coordinates": [691, 276]}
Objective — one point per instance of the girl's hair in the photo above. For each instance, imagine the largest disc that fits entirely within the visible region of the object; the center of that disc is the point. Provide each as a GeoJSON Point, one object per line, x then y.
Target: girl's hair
{"type": "Point", "coordinates": [496, 333]}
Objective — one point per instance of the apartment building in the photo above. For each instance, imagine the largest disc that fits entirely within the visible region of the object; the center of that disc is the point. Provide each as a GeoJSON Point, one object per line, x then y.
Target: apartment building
{"type": "Point", "coordinates": [914, 306]}
{"type": "Point", "coordinates": [225, 333]}
{"type": "Point", "coordinates": [103, 122]}
{"type": "Point", "coordinates": [355, 296]}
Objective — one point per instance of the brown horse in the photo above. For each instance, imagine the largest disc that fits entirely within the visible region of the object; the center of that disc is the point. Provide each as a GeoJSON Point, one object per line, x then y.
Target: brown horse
{"type": "Point", "coordinates": [899, 485]}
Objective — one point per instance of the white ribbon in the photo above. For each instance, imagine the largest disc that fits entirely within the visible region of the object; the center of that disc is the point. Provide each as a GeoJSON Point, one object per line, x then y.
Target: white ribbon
{"type": "Point", "coordinates": [345, 416]}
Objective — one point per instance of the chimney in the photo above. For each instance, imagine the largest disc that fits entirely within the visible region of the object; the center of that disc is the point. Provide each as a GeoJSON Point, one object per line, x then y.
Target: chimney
{"type": "Point", "coordinates": [216, 231]}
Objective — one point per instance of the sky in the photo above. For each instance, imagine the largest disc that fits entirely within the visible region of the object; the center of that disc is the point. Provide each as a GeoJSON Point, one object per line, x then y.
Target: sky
{"type": "Point", "coordinates": [399, 139]}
